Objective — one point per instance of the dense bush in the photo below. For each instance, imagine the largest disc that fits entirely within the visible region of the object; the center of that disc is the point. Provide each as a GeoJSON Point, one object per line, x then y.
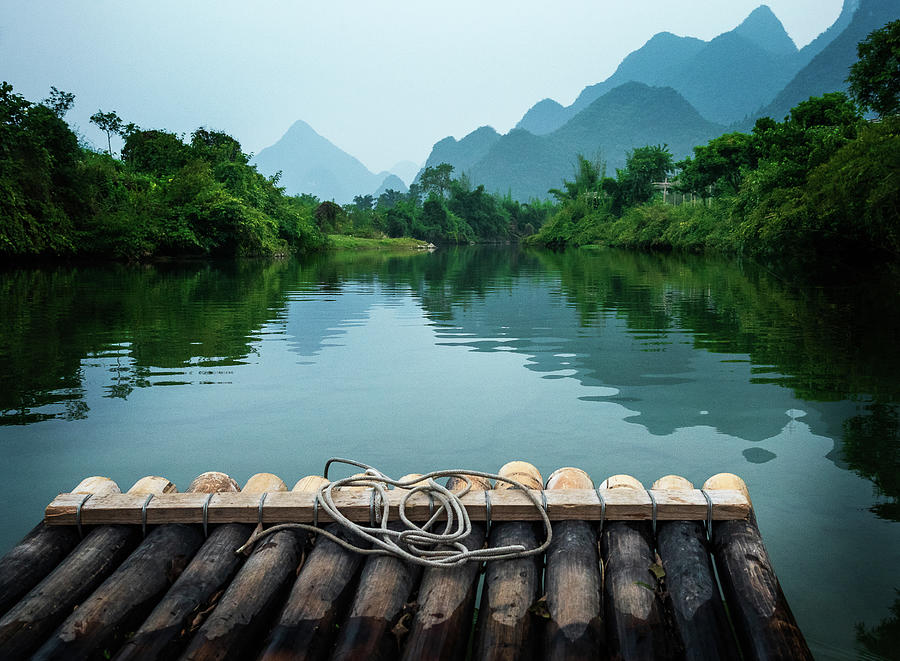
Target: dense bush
{"type": "Point", "coordinates": [164, 197]}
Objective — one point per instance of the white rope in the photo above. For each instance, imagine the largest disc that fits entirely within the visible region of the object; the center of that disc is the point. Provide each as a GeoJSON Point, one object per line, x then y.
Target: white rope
{"type": "Point", "coordinates": [414, 543]}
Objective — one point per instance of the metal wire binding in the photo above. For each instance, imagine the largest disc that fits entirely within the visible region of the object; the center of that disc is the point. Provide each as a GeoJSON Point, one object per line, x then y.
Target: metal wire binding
{"type": "Point", "coordinates": [144, 514]}
{"type": "Point", "coordinates": [653, 502]}
{"type": "Point", "coordinates": [86, 498]}
{"type": "Point", "coordinates": [262, 499]}
{"type": "Point", "coordinates": [487, 514]}
{"type": "Point", "coordinates": [709, 514]}
{"type": "Point", "coordinates": [544, 501]}
{"type": "Point", "coordinates": [206, 514]}
{"type": "Point", "coordinates": [316, 513]}
{"type": "Point", "coordinates": [602, 499]}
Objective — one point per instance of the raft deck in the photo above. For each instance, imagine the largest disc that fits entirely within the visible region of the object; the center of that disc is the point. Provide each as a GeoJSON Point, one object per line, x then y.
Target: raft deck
{"type": "Point", "coordinates": [630, 573]}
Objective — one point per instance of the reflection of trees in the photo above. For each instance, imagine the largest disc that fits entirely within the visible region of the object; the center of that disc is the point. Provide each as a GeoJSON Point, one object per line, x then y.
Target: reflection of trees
{"type": "Point", "coordinates": [159, 316]}
{"type": "Point", "coordinates": [883, 639]}
{"type": "Point", "coordinates": [872, 448]}
{"type": "Point", "coordinates": [825, 343]}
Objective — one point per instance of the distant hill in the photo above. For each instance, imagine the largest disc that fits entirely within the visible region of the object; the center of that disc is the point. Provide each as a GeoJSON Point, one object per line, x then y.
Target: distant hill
{"type": "Point", "coordinates": [725, 79]}
{"type": "Point", "coordinates": [629, 116]}
{"type": "Point", "coordinates": [827, 71]}
{"type": "Point", "coordinates": [406, 170]}
{"type": "Point", "coordinates": [463, 154]}
{"type": "Point", "coordinates": [311, 164]}
{"type": "Point", "coordinates": [391, 182]}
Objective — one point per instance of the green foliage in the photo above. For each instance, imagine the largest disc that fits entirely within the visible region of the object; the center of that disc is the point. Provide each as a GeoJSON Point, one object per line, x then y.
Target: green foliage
{"type": "Point", "coordinates": [875, 78]}
{"type": "Point", "coordinates": [821, 187]}
{"type": "Point", "coordinates": [436, 180]}
{"type": "Point", "coordinates": [163, 198]}
{"type": "Point", "coordinates": [643, 167]}
{"type": "Point", "coordinates": [110, 123]}
{"type": "Point", "coordinates": [718, 165]}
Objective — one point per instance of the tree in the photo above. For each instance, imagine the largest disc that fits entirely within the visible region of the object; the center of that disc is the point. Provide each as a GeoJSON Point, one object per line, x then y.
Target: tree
{"type": "Point", "coordinates": [108, 122]}
{"type": "Point", "coordinates": [436, 179]}
{"type": "Point", "coordinates": [719, 163]}
{"type": "Point", "coordinates": [59, 102]}
{"type": "Point", "coordinates": [875, 78]}
{"type": "Point", "coordinates": [643, 167]}
{"type": "Point", "coordinates": [363, 202]}
{"type": "Point", "coordinates": [588, 175]}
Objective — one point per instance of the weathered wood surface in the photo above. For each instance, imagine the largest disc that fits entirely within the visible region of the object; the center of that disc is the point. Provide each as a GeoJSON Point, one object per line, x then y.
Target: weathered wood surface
{"type": "Point", "coordinates": [506, 622]}
{"type": "Point", "coordinates": [442, 622]}
{"type": "Point", "coordinates": [692, 588]}
{"type": "Point", "coordinates": [572, 582]}
{"type": "Point", "coordinates": [507, 505]}
{"type": "Point", "coordinates": [305, 629]}
{"type": "Point", "coordinates": [164, 631]}
{"type": "Point", "coordinates": [29, 622]}
{"type": "Point", "coordinates": [385, 585]}
{"type": "Point", "coordinates": [123, 600]}
{"type": "Point", "coordinates": [635, 622]}
{"type": "Point", "coordinates": [765, 626]}
{"type": "Point", "coordinates": [41, 550]}
{"type": "Point", "coordinates": [239, 621]}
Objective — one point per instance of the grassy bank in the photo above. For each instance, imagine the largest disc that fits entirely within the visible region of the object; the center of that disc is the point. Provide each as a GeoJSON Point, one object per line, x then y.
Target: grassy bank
{"type": "Point", "coordinates": [404, 243]}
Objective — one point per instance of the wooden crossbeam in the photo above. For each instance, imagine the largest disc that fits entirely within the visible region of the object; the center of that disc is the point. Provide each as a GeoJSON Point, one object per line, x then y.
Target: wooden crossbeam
{"type": "Point", "coordinates": [355, 504]}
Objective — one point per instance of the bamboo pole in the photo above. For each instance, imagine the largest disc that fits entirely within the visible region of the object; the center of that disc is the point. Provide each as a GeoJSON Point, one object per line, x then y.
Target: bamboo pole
{"type": "Point", "coordinates": [306, 626]}
{"type": "Point", "coordinates": [42, 549]}
{"type": "Point", "coordinates": [691, 585]}
{"type": "Point", "coordinates": [446, 603]}
{"type": "Point", "coordinates": [235, 627]}
{"type": "Point", "coordinates": [385, 585]}
{"type": "Point", "coordinates": [122, 601]}
{"type": "Point", "coordinates": [765, 626]}
{"type": "Point", "coordinates": [28, 623]}
{"type": "Point", "coordinates": [505, 625]}
{"type": "Point", "coordinates": [572, 582]}
{"type": "Point", "coordinates": [164, 631]}
{"type": "Point", "coordinates": [635, 623]}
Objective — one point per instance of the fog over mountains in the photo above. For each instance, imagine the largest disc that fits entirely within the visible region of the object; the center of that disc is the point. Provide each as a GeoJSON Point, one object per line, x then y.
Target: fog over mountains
{"type": "Point", "coordinates": [676, 90]}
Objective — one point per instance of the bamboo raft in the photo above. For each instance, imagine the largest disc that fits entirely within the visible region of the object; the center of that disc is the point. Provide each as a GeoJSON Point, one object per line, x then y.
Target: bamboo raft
{"type": "Point", "coordinates": [630, 573]}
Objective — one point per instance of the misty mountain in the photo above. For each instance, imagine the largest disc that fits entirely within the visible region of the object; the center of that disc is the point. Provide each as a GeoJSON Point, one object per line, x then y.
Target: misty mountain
{"type": "Point", "coordinates": [406, 170]}
{"type": "Point", "coordinates": [725, 79]}
{"type": "Point", "coordinates": [629, 116]}
{"type": "Point", "coordinates": [828, 70]}
{"type": "Point", "coordinates": [311, 164]}
{"type": "Point", "coordinates": [392, 182]}
{"type": "Point", "coordinates": [463, 154]}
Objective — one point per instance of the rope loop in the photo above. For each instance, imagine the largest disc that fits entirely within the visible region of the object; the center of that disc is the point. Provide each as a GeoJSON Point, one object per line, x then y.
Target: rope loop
{"type": "Point", "coordinates": [419, 544]}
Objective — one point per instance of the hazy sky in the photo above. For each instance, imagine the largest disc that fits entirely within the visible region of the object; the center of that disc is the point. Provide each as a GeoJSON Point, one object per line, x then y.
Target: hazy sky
{"type": "Point", "coordinates": [382, 80]}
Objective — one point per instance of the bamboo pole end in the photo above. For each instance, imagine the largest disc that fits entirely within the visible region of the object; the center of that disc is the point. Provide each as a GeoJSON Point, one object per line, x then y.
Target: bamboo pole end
{"type": "Point", "coordinates": [521, 471]}
{"type": "Point", "coordinates": [97, 485]}
{"type": "Point", "coordinates": [153, 484]}
{"type": "Point", "coordinates": [213, 482]}
{"type": "Point", "coordinates": [263, 483]}
{"type": "Point", "coordinates": [673, 482]}
{"type": "Point", "coordinates": [569, 478]}
{"type": "Point", "coordinates": [622, 482]}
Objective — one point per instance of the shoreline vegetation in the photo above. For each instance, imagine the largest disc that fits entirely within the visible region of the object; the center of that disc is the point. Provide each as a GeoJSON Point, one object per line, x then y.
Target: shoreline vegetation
{"type": "Point", "coordinates": [820, 187]}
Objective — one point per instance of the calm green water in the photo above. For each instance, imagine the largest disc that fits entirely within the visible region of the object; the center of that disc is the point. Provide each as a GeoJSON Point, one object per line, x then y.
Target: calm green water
{"type": "Point", "coordinates": [614, 362]}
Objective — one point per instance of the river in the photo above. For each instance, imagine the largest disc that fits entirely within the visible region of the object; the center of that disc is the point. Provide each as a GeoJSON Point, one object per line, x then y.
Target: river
{"type": "Point", "coordinates": [466, 358]}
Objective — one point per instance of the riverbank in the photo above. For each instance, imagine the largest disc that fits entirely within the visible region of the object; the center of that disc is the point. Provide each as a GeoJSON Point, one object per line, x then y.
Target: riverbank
{"type": "Point", "coordinates": [400, 244]}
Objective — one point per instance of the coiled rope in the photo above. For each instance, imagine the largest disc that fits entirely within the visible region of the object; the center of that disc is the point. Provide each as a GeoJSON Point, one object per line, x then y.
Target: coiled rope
{"type": "Point", "coordinates": [414, 543]}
